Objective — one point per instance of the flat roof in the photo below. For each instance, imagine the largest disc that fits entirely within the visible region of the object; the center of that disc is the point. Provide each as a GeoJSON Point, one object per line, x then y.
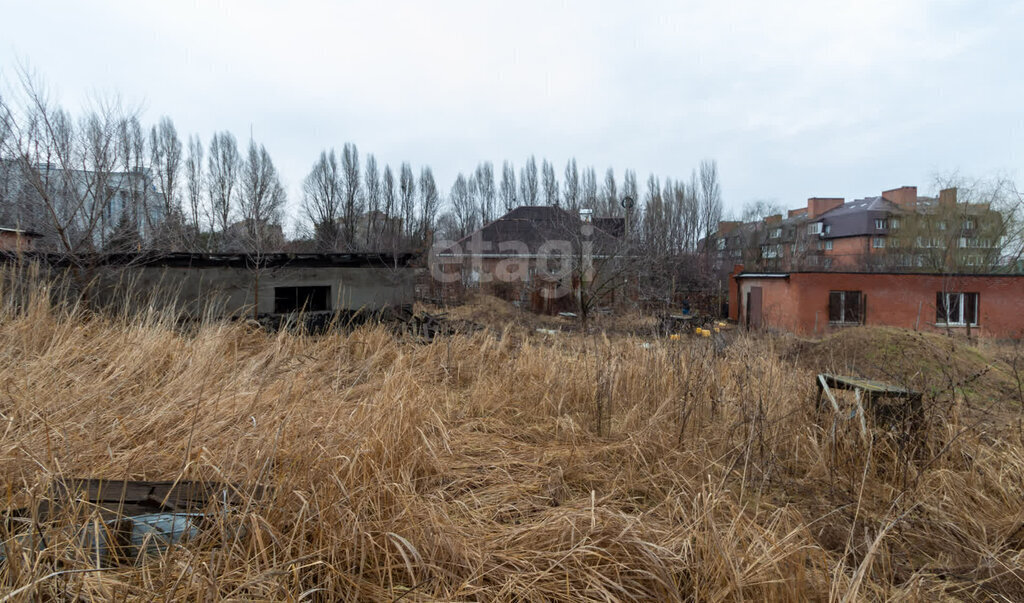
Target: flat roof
{"type": "Point", "coordinates": [225, 260]}
{"type": "Point", "coordinates": [886, 273]}
{"type": "Point", "coordinates": [27, 233]}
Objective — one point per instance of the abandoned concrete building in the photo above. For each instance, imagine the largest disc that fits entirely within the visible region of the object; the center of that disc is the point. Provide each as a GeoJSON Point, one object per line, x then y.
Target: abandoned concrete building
{"type": "Point", "coordinates": [238, 285]}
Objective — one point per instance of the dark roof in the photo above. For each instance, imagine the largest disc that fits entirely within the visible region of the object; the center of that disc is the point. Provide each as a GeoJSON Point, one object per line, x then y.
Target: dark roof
{"type": "Point", "coordinates": [613, 226]}
{"type": "Point", "coordinates": [532, 226]}
{"type": "Point", "coordinates": [856, 218]}
{"type": "Point", "coordinates": [214, 260]}
{"type": "Point", "coordinates": [858, 206]}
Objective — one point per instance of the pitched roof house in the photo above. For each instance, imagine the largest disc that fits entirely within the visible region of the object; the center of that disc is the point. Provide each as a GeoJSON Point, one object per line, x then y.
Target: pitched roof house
{"type": "Point", "coordinates": [528, 254]}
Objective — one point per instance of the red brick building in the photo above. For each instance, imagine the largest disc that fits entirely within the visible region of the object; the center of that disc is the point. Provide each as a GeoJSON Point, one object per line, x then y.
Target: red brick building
{"type": "Point", "coordinates": [896, 231]}
{"type": "Point", "coordinates": [813, 303]}
{"type": "Point", "coordinates": [14, 239]}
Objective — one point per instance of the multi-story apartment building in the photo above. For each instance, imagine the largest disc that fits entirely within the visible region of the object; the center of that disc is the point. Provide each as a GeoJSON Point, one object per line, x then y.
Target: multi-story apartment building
{"type": "Point", "coordinates": [84, 208]}
{"type": "Point", "coordinates": [896, 231]}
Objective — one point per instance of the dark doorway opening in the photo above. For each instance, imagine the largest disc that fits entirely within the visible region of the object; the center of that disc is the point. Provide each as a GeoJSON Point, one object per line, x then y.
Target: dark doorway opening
{"type": "Point", "coordinates": [305, 299]}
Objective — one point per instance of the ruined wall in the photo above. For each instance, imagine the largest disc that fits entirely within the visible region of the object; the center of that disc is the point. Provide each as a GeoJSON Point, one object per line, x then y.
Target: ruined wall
{"type": "Point", "coordinates": [226, 291]}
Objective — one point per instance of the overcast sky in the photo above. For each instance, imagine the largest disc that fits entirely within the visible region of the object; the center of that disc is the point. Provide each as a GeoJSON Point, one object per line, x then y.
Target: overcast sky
{"type": "Point", "coordinates": [793, 99]}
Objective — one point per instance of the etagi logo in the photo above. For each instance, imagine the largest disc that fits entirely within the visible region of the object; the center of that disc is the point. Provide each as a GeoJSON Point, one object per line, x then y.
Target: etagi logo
{"type": "Point", "coordinates": [558, 262]}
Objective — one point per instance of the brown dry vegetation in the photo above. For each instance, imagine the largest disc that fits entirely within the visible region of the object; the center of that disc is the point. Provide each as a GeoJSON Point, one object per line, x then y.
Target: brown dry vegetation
{"type": "Point", "coordinates": [491, 467]}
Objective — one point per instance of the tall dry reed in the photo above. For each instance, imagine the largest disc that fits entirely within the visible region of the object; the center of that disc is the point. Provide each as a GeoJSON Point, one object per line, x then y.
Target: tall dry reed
{"type": "Point", "coordinates": [491, 467]}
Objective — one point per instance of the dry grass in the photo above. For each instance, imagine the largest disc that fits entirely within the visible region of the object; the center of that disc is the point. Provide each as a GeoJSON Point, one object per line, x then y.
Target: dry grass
{"type": "Point", "coordinates": [497, 468]}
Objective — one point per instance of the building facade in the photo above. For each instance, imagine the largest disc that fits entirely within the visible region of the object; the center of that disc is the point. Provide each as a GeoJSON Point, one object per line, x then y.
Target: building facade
{"type": "Point", "coordinates": [536, 256]}
{"type": "Point", "coordinates": [896, 231]}
{"type": "Point", "coordinates": [817, 302]}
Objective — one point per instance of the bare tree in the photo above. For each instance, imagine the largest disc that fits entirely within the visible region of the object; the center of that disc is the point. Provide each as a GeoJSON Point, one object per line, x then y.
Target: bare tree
{"type": "Point", "coordinates": [389, 202]}
{"type": "Point", "coordinates": [609, 195]}
{"type": "Point", "coordinates": [194, 186]}
{"type": "Point", "coordinates": [67, 170]}
{"type": "Point", "coordinates": [691, 211]}
{"type": "Point", "coordinates": [261, 201]}
{"type": "Point", "coordinates": [508, 187]}
{"type": "Point", "coordinates": [374, 223]}
{"type": "Point", "coordinates": [322, 200]}
{"type": "Point", "coordinates": [352, 186]}
{"type": "Point", "coordinates": [464, 210]}
{"type": "Point", "coordinates": [655, 221]}
{"type": "Point", "coordinates": [550, 182]}
{"type": "Point", "coordinates": [759, 209]}
{"type": "Point", "coordinates": [528, 182]}
{"type": "Point", "coordinates": [484, 178]}
{"type": "Point", "coordinates": [165, 158]}
{"type": "Point", "coordinates": [407, 198]}
{"type": "Point", "coordinates": [710, 194]}
{"type": "Point", "coordinates": [588, 189]}
{"type": "Point", "coordinates": [430, 201]}
{"type": "Point", "coordinates": [134, 215]}
{"type": "Point", "coordinates": [222, 180]}
{"type": "Point", "coordinates": [571, 191]}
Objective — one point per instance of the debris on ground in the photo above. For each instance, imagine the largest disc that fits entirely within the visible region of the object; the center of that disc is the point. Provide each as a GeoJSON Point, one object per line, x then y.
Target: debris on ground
{"type": "Point", "coordinates": [117, 521]}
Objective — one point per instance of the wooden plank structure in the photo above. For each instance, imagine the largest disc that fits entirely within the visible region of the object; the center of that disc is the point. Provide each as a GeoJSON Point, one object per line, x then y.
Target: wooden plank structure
{"type": "Point", "coordinates": [118, 520]}
{"type": "Point", "coordinates": [887, 402]}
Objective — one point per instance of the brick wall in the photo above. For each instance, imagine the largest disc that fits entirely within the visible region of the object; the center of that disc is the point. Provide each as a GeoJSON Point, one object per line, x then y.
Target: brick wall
{"type": "Point", "coordinates": [799, 303]}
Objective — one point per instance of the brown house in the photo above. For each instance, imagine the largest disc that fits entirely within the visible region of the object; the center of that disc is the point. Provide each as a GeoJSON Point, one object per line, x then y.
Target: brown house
{"type": "Point", "coordinates": [13, 239]}
{"type": "Point", "coordinates": [813, 303]}
{"type": "Point", "coordinates": [531, 255]}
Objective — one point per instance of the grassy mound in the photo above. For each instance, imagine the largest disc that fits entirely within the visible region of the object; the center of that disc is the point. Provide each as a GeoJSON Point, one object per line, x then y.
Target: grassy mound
{"type": "Point", "coordinates": [933, 363]}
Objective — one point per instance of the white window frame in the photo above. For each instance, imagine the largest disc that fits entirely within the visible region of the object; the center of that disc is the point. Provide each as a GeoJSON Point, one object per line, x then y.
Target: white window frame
{"type": "Point", "coordinates": [814, 228]}
{"type": "Point", "coordinates": [894, 223]}
{"type": "Point", "coordinates": [775, 233]}
{"type": "Point", "coordinates": [828, 245]}
{"type": "Point", "coordinates": [878, 242]}
{"type": "Point", "coordinates": [880, 224]}
{"type": "Point", "coordinates": [961, 307]}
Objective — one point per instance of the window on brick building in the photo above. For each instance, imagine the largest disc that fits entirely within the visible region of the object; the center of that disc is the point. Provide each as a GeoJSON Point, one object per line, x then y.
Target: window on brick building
{"type": "Point", "coordinates": [828, 245]}
{"type": "Point", "coordinates": [846, 307]}
{"type": "Point", "coordinates": [880, 224]}
{"type": "Point", "coordinates": [956, 309]}
{"type": "Point", "coordinates": [878, 242]}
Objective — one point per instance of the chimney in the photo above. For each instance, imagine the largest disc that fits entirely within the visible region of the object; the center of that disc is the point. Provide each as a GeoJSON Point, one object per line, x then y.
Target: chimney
{"type": "Point", "coordinates": [798, 212]}
{"type": "Point", "coordinates": [904, 196]}
{"type": "Point", "coordinates": [586, 215]}
{"type": "Point", "coordinates": [725, 228]}
{"type": "Point", "coordinates": [819, 205]}
{"type": "Point", "coordinates": [947, 197]}
{"type": "Point", "coordinates": [773, 219]}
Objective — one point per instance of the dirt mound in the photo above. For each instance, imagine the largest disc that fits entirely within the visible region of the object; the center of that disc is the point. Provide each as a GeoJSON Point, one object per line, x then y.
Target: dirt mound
{"type": "Point", "coordinates": [496, 313]}
{"type": "Point", "coordinates": [927, 362]}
